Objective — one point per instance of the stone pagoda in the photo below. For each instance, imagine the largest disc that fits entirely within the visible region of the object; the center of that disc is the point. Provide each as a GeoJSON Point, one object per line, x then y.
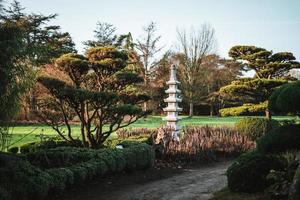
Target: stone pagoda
{"type": "Point", "coordinates": [172, 109]}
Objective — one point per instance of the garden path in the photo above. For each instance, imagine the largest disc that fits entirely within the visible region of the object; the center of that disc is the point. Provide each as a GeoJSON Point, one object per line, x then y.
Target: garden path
{"type": "Point", "coordinates": [196, 183]}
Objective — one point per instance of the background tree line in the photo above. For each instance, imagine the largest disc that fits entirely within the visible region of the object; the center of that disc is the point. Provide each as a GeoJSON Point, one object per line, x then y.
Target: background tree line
{"type": "Point", "coordinates": [210, 84]}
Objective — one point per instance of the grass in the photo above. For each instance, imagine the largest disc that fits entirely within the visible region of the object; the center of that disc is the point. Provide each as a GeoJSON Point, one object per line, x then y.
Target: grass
{"type": "Point", "coordinates": [29, 133]}
{"type": "Point", "coordinates": [225, 194]}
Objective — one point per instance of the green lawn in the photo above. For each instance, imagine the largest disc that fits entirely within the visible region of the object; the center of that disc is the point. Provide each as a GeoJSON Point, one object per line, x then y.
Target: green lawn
{"type": "Point", "coordinates": [29, 133]}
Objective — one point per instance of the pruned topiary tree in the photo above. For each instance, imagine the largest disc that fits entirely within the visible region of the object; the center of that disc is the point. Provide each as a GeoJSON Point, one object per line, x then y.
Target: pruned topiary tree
{"type": "Point", "coordinates": [271, 70]}
{"type": "Point", "coordinates": [101, 92]}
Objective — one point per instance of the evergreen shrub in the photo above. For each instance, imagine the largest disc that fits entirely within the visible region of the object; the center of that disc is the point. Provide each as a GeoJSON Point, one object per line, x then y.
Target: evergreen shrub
{"type": "Point", "coordinates": [249, 172]}
{"type": "Point", "coordinates": [255, 127]}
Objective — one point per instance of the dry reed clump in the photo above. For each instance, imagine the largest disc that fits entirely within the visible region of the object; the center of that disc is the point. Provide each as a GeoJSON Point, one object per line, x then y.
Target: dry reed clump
{"type": "Point", "coordinates": [135, 133]}
{"type": "Point", "coordinates": [203, 143]}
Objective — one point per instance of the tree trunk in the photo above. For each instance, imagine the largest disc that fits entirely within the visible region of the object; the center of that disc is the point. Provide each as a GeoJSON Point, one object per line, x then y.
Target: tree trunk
{"type": "Point", "coordinates": [145, 87]}
{"type": "Point", "coordinates": [211, 110]}
{"type": "Point", "coordinates": [268, 114]}
{"type": "Point", "coordinates": [191, 113]}
{"type": "Point", "coordinates": [25, 108]}
{"type": "Point", "coordinates": [145, 106]}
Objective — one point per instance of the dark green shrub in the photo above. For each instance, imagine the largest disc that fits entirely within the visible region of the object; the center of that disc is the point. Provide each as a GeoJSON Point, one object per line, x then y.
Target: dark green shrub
{"type": "Point", "coordinates": [129, 143]}
{"type": "Point", "coordinates": [36, 146]}
{"type": "Point", "coordinates": [59, 157]}
{"type": "Point", "coordinates": [13, 150]}
{"type": "Point", "coordinates": [280, 140]}
{"type": "Point", "coordinates": [286, 99]}
{"type": "Point", "coordinates": [4, 195]}
{"type": "Point", "coordinates": [294, 193]}
{"type": "Point", "coordinates": [249, 172]}
{"type": "Point", "coordinates": [120, 164]}
{"type": "Point", "coordinates": [80, 173]}
{"type": "Point", "coordinates": [22, 180]}
{"type": "Point", "coordinates": [60, 178]}
{"type": "Point", "coordinates": [138, 156]}
{"type": "Point", "coordinates": [81, 165]}
{"type": "Point", "coordinates": [26, 148]}
{"type": "Point", "coordinates": [255, 127]}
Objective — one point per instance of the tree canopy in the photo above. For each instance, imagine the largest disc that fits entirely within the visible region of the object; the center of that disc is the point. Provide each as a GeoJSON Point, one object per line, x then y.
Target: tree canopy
{"type": "Point", "coordinates": [15, 76]}
{"type": "Point", "coordinates": [42, 42]}
{"type": "Point", "coordinates": [100, 91]}
{"type": "Point", "coordinates": [266, 64]}
{"type": "Point", "coordinates": [271, 71]}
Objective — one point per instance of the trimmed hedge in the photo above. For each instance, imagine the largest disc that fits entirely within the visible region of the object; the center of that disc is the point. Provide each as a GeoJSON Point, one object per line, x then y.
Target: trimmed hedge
{"type": "Point", "coordinates": [249, 172]}
{"type": "Point", "coordinates": [245, 110]}
{"type": "Point", "coordinates": [255, 127]}
{"type": "Point", "coordinates": [280, 140]}
{"type": "Point", "coordinates": [23, 180]}
{"type": "Point", "coordinates": [35, 146]}
{"type": "Point", "coordinates": [59, 157]}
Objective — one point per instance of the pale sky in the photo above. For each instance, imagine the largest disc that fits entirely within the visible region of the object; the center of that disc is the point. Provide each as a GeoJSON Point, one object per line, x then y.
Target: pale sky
{"type": "Point", "coordinates": [271, 24]}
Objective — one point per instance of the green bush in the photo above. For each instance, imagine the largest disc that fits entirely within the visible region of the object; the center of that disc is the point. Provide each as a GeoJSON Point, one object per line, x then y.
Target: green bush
{"type": "Point", "coordinates": [255, 127]}
{"type": "Point", "coordinates": [72, 165]}
{"type": "Point", "coordinates": [60, 178]}
{"type": "Point", "coordinates": [280, 140]}
{"type": "Point", "coordinates": [249, 172]}
{"type": "Point", "coordinates": [286, 99]}
{"type": "Point", "coordinates": [4, 195]}
{"type": "Point", "coordinates": [244, 110]}
{"type": "Point", "coordinates": [35, 146]}
{"type": "Point", "coordinates": [13, 150]}
{"type": "Point", "coordinates": [59, 157]}
{"type": "Point", "coordinates": [21, 180]}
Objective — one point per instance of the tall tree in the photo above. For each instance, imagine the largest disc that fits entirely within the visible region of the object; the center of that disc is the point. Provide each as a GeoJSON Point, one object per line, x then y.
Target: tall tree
{"type": "Point", "coordinates": [100, 90]}
{"type": "Point", "coordinates": [216, 73]}
{"type": "Point", "coordinates": [42, 42]}
{"type": "Point", "coordinates": [147, 48]}
{"type": "Point", "coordinates": [271, 70]}
{"type": "Point", "coordinates": [105, 35]}
{"type": "Point", "coordinates": [193, 47]}
{"type": "Point", "coordinates": [15, 77]}
{"type": "Point", "coordinates": [158, 84]}
{"type": "Point", "coordinates": [266, 64]}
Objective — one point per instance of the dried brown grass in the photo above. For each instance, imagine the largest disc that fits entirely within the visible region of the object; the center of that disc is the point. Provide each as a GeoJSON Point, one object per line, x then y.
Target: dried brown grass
{"type": "Point", "coordinates": [204, 142]}
{"type": "Point", "coordinates": [196, 142]}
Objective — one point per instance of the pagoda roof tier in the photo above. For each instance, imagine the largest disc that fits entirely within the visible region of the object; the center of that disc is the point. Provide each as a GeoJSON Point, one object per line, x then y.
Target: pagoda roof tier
{"type": "Point", "coordinates": [172, 109]}
{"type": "Point", "coordinates": [172, 100]}
{"type": "Point", "coordinates": [173, 91]}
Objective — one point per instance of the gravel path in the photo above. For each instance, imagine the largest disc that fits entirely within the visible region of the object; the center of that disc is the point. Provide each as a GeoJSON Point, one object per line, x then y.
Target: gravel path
{"type": "Point", "coordinates": [193, 184]}
{"type": "Point", "coordinates": [196, 183]}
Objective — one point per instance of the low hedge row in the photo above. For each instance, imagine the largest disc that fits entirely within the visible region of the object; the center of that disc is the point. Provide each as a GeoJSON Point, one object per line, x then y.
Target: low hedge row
{"type": "Point", "coordinates": [21, 180]}
{"type": "Point", "coordinates": [35, 146]}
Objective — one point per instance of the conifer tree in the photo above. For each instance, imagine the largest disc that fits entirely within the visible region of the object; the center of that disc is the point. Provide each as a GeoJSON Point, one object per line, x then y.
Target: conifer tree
{"type": "Point", "coordinates": [251, 94]}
